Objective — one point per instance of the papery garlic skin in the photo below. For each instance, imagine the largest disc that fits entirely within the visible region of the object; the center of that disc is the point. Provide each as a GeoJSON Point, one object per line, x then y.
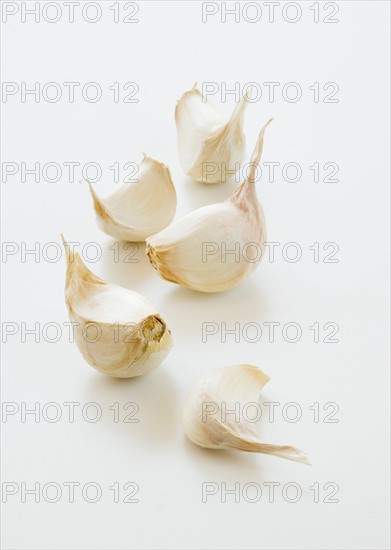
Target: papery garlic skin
{"type": "Point", "coordinates": [223, 389]}
{"type": "Point", "coordinates": [208, 144]}
{"type": "Point", "coordinates": [138, 209]}
{"type": "Point", "coordinates": [118, 331]}
{"type": "Point", "coordinates": [213, 248]}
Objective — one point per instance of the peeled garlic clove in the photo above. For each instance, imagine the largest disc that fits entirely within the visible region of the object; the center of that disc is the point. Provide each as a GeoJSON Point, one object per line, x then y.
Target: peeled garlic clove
{"type": "Point", "coordinates": [215, 247]}
{"type": "Point", "coordinates": [209, 421]}
{"type": "Point", "coordinates": [140, 208]}
{"type": "Point", "coordinates": [118, 331]}
{"type": "Point", "coordinates": [209, 145]}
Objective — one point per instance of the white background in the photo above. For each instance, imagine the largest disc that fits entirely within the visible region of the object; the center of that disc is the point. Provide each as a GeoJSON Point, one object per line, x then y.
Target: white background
{"type": "Point", "coordinates": [166, 52]}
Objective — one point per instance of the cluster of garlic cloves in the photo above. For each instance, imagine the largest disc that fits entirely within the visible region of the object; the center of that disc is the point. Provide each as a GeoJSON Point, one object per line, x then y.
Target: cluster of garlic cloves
{"type": "Point", "coordinates": [215, 247]}
{"type": "Point", "coordinates": [118, 331]}
{"type": "Point", "coordinates": [139, 208]}
{"type": "Point", "coordinates": [230, 388]}
{"type": "Point", "coordinates": [212, 249]}
{"type": "Point", "coordinates": [209, 145]}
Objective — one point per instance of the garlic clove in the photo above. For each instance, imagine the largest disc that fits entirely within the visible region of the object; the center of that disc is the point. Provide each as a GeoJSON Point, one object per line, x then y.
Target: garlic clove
{"type": "Point", "coordinates": [230, 389]}
{"type": "Point", "coordinates": [117, 330]}
{"type": "Point", "coordinates": [208, 144]}
{"type": "Point", "coordinates": [213, 248]}
{"type": "Point", "coordinates": [140, 208]}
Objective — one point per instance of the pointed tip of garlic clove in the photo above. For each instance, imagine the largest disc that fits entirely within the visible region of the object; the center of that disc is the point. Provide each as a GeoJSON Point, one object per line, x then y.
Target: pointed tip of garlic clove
{"type": "Point", "coordinates": [193, 90]}
{"type": "Point", "coordinates": [99, 206]}
{"type": "Point", "coordinates": [66, 249]}
{"type": "Point", "coordinates": [281, 451]}
{"type": "Point", "coordinates": [77, 273]}
{"type": "Point", "coordinates": [249, 92]}
{"type": "Point", "coordinates": [165, 174]}
{"type": "Point", "coordinates": [69, 254]}
{"type": "Point", "coordinates": [147, 159]}
{"type": "Point", "coordinates": [246, 192]}
{"type": "Point", "coordinates": [258, 149]}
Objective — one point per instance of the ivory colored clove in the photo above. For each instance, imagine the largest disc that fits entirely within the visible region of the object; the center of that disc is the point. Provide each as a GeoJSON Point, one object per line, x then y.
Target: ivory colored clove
{"type": "Point", "coordinates": [196, 251]}
{"type": "Point", "coordinates": [208, 144]}
{"type": "Point", "coordinates": [140, 208]}
{"type": "Point", "coordinates": [117, 331]}
{"type": "Point", "coordinates": [206, 426]}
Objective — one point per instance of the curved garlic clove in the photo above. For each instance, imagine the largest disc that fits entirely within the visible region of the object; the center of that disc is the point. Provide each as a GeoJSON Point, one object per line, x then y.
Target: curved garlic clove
{"type": "Point", "coordinates": [230, 389]}
{"type": "Point", "coordinates": [209, 145]}
{"type": "Point", "coordinates": [118, 331]}
{"type": "Point", "coordinates": [213, 248]}
{"type": "Point", "coordinates": [138, 209]}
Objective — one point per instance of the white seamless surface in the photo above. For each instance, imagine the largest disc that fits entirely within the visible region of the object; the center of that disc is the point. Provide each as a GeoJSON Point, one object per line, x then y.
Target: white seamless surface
{"type": "Point", "coordinates": [165, 53]}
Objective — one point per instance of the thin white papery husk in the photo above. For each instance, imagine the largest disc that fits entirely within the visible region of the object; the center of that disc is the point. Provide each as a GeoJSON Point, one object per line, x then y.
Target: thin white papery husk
{"type": "Point", "coordinates": [178, 253]}
{"type": "Point", "coordinates": [132, 338]}
{"type": "Point", "coordinates": [205, 136]}
{"type": "Point", "coordinates": [138, 209]}
{"type": "Point", "coordinates": [230, 385]}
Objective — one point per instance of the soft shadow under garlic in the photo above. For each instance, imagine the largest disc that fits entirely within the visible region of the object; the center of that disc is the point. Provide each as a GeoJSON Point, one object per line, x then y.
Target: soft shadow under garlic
{"type": "Point", "coordinates": [227, 466]}
{"type": "Point", "coordinates": [126, 263]}
{"type": "Point", "coordinates": [208, 423]}
{"type": "Point", "coordinates": [147, 413]}
{"type": "Point", "coordinates": [197, 197]}
{"type": "Point", "coordinates": [117, 330]}
{"type": "Point", "coordinates": [236, 305]}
